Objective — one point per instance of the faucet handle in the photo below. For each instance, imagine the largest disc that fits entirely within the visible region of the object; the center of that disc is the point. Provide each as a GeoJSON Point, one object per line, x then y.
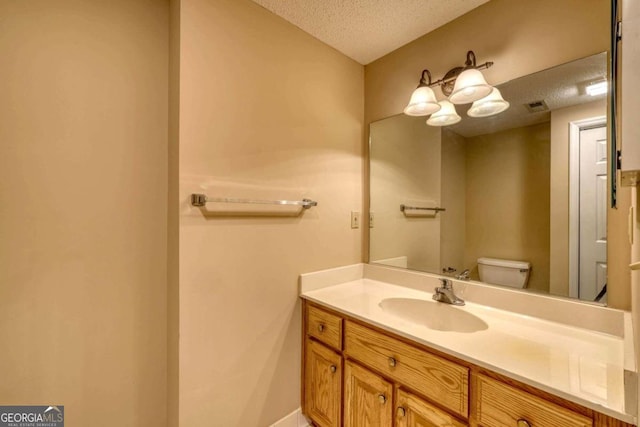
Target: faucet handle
{"type": "Point", "coordinates": [448, 270]}
{"type": "Point", "coordinates": [464, 275]}
{"type": "Point", "coordinates": [446, 283]}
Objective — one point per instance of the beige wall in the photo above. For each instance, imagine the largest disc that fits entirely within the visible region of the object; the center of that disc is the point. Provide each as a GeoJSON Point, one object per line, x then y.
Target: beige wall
{"type": "Point", "coordinates": [634, 255]}
{"type": "Point", "coordinates": [559, 237]}
{"type": "Point", "coordinates": [83, 196]}
{"type": "Point", "coordinates": [173, 220]}
{"type": "Point", "coordinates": [619, 255]}
{"type": "Point", "coordinates": [405, 169]}
{"type": "Point", "coordinates": [454, 189]}
{"type": "Point", "coordinates": [519, 36]}
{"type": "Point", "coordinates": [266, 105]}
{"type": "Point", "coordinates": [507, 202]}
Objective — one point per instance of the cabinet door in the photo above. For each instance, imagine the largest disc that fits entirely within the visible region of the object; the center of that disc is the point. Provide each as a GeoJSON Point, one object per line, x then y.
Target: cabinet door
{"type": "Point", "coordinates": [323, 381]}
{"type": "Point", "coordinates": [367, 398]}
{"type": "Point", "coordinates": [414, 412]}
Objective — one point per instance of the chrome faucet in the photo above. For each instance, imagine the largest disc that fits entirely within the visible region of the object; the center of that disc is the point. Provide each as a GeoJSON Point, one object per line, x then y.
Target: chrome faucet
{"type": "Point", "coordinates": [445, 293]}
{"type": "Point", "coordinates": [464, 275]}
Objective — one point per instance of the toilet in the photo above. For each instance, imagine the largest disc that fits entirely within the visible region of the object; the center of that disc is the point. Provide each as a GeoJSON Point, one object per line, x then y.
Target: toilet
{"type": "Point", "coordinates": [514, 274]}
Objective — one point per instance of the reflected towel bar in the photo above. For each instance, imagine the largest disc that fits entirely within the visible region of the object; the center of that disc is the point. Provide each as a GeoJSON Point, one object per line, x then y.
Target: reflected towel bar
{"type": "Point", "coordinates": [417, 208]}
{"type": "Point", "coordinates": [199, 200]}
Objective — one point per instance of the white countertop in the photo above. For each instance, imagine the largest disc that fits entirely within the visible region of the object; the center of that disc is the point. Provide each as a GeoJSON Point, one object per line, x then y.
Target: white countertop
{"type": "Point", "coordinates": [577, 364]}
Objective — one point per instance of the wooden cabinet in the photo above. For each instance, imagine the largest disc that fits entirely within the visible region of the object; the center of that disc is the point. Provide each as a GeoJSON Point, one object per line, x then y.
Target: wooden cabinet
{"type": "Point", "coordinates": [367, 398]}
{"type": "Point", "coordinates": [358, 375]}
{"type": "Point", "coordinates": [324, 327]}
{"type": "Point", "coordinates": [323, 384]}
{"type": "Point", "coordinates": [414, 412]}
{"type": "Point", "coordinates": [601, 420]}
{"type": "Point", "coordinates": [431, 376]}
{"type": "Point", "coordinates": [500, 405]}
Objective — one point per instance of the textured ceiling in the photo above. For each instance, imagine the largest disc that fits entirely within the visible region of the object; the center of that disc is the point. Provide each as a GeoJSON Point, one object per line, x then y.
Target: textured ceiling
{"type": "Point", "coordinates": [366, 30]}
{"type": "Point", "coordinates": [559, 87]}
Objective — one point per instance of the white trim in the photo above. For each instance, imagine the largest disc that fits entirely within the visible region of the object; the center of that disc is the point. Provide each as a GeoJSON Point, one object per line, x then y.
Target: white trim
{"type": "Point", "coordinates": [294, 419]}
{"type": "Point", "coordinates": [574, 197]}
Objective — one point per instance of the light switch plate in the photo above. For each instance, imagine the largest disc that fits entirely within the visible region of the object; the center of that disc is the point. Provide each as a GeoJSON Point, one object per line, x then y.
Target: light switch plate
{"type": "Point", "coordinates": [355, 219]}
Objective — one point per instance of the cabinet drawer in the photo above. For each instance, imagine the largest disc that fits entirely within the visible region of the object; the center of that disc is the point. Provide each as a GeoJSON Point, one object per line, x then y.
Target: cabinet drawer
{"type": "Point", "coordinates": [324, 326]}
{"type": "Point", "coordinates": [500, 405]}
{"type": "Point", "coordinates": [434, 377]}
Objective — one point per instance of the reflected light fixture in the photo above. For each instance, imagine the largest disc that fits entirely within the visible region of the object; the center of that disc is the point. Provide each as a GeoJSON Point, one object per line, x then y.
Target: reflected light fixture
{"type": "Point", "coordinates": [446, 116]}
{"type": "Point", "coordinates": [489, 105]}
{"type": "Point", "coordinates": [423, 100]}
{"type": "Point", "coordinates": [597, 88]}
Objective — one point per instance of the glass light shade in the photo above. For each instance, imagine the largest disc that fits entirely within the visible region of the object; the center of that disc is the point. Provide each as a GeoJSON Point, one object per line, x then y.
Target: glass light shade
{"type": "Point", "coordinates": [489, 105]}
{"type": "Point", "coordinates": [470, 86]}
{"type": "Point", "coordinates": [446, 116]}
{"type": "Point", "coordinates": [422, 102]}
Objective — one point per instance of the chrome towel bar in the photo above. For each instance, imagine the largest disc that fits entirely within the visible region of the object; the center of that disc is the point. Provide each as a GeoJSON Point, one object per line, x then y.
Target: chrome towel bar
{"type": "Point", "coordinates": [417, 208]}
{"type": "Point", "coordinates": [200, 200]}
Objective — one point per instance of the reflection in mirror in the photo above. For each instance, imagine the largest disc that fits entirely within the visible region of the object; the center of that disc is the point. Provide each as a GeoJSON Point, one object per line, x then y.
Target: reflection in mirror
{"type": "Point", "coordinates": [526, 185]}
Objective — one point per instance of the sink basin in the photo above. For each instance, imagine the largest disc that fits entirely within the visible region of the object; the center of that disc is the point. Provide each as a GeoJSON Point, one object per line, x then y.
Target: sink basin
{"type": "Point", "coordinates": [433, 315]}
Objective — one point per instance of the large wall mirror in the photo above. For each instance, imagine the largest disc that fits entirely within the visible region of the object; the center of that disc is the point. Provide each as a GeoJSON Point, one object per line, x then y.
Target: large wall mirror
{"type": "Point", "coordinates": [527, 185]}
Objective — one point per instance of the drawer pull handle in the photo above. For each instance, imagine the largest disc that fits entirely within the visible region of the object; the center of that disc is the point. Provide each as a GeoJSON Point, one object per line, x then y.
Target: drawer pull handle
{"type": "Point", "coordinates": [333, 369]}
{"type": "Point", "coordinates": [401, 412]}
{"type": "Point", "coordinates": [320, 327]}
{"type": "Point", "coordinates": [523, 423]}
{"type": "Point", "coordinates": [382, 398]}
{"type": "Point", "coordinates": [392, 362]}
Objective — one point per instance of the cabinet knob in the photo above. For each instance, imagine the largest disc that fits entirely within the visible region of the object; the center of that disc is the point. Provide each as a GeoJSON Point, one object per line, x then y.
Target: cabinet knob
{"type": "Point", "coordinates": [320, 327]}
{"type": "Point", "coordinates": [392, 362]}
{"type": "Point", "coordinates": [333, 369]}
{"type": "Point", "coordinates": [382, 398]}
{"type": "Point", "coordinates": [401, 411]}
{"type": "Point", "coordinates": [523, 423]}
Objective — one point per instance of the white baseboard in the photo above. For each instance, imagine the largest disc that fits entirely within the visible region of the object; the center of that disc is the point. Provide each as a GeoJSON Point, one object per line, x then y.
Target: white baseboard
{"type": "Point", "coordinates": [294, 419]}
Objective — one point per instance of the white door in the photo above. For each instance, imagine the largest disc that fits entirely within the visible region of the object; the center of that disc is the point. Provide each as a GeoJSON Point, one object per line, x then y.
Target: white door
{"type": "Point", "coordinates": [593, 212]}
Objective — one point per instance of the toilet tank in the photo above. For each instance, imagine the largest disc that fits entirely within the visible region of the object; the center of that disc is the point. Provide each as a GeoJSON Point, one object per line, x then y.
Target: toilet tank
{"type": "Point", "coordinates": [504, 272]}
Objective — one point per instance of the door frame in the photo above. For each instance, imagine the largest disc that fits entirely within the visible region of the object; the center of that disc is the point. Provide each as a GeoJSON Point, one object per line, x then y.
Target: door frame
{"type": "Point", "coordinates": [574, 196]}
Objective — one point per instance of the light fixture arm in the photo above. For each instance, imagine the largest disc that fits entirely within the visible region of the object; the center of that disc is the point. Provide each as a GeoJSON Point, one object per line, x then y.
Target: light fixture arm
{"type": "Point", "coordinates": [446, 83]}
{"type": "Point", "coordinates": [471, 60]}
{"type": "Point", "coordinates": [425, 81]}
{"type": "Point", "coordinates": [450, 77]}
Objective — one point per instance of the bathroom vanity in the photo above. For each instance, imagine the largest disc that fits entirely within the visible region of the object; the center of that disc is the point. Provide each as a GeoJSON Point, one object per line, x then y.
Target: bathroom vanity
{"type": "Point", "coordinates": [378, 351]}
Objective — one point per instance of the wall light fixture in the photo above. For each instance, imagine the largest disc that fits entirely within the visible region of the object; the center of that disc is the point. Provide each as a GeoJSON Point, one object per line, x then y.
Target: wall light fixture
{"type": "Point", "coordinates": [489, 105]}
{"type": "Point", "coordinates": [423, 100]}
{"type": "Point", "coordinates": [462, 85]}
{"type": "Point", "coordinates": [446, 116]}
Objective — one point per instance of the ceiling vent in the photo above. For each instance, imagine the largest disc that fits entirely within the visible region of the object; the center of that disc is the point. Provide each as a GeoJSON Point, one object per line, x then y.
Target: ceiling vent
{"type": "Point", "coordinates": [537, 106]}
